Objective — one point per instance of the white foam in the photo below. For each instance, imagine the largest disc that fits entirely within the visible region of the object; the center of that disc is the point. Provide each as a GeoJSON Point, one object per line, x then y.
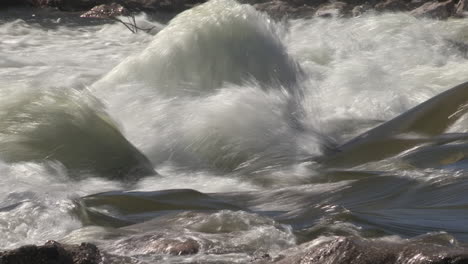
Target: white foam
{"type": "Point", "coordinates": [40, 197]}
{"type": "Point", "coordinates": [220, 41]}
{"type": "Point", "coordinates": [375, 67]}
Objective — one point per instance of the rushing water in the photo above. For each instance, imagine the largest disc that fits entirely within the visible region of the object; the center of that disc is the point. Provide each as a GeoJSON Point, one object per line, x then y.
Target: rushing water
{"type": "Point", "coordinates": [233, 111]}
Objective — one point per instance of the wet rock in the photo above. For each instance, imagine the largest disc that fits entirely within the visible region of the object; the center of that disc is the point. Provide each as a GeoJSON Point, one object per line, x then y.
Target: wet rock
{"type": "Point", "coordinates": [137, 5]}
{"type": "Point", "coordinates": [350, 250]}
{"type": "Point", "coordinates": [461, 10]}
{"type": "Point", "coordinates": [360, 9]}
{"type": "Point", "coordinates": [9, 3]}
{"type": "Point", "coordinates": [275, 8]}
{"type": "Point", "coordinates": [392, 6]}
{"type": "Point", "coordinates": [176, 247]}
{"type": "Point", "coordinates": [280, 9]}
{"type": "Point", "coordinates": [52, 253]}
{"type": "Point", "coordinates": [172, 6]}
{"type": "Point", "coordinates": [263, 258]}
{"type": "Point", "coordinates": [160, 244]}
{"type": "Point", "coordinates": [459, 46]}
{"type": "Point", "coordinates": [106, 11]}
{"type": "Point", "coordinates": [68, 5]}
{"type": "Point", "coordinates": [435, 9]}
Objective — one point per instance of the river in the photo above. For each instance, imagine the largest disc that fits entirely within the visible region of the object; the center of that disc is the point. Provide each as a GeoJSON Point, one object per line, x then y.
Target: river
{"type": "Point", "coordinates": [227, 106]}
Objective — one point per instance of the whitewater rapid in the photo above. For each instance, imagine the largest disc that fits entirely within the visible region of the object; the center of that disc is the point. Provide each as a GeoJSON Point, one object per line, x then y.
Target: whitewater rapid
{"type": "Point", "coordinates": [228, 102]}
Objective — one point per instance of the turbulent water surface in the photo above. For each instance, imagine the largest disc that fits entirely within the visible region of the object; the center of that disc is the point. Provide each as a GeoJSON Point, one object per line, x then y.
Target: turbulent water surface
{"type": "Point", "coordinates": [214, 127]}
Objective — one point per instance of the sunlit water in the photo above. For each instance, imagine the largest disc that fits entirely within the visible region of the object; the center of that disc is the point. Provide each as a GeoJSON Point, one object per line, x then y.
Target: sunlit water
{"type": "Point", "coordinates": [229, 103]}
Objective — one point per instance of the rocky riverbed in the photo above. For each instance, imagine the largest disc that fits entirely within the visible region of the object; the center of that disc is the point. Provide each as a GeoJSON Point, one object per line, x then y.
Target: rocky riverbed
{"type": "Point", "coordinates": [337, 250]}
{"type": "Point", "coordinates": [276, 8]}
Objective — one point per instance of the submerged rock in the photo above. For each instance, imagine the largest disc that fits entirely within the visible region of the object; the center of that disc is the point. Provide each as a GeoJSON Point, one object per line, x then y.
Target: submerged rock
{"type": "Point", "coordinates": [52, 252]}
{"type": "Point", "coordinates": [352, 250]}
{"type": "Point", "coordinates": [159, 244]}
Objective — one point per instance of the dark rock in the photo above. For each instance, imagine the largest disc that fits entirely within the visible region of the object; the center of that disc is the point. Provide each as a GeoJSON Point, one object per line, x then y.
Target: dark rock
{"type": "Point", "coordinates": [175, 247]}
{"type": "Point", "coordinates": [52, 253]}
{"type": "Point", "coordinates": [9, 3]}
{"type": "Point", "coordinates": [392, 6]}
{"type": "Point", "coordinates": [275, 8]}
{"type": "Point", "coordinates": [160, 5]}
{"type": "Point", "coordinates": [461, 10]}
{"type": "Point", "coordinates": [435, 9]}
{"type": "Point", "coordinates": [160, 244]}
{"type": "Point", "coordinates": [360, 9]}
{"type": "Point", "coordinates": [137, 5]}
{"type": "Point", "coordinates": [459, 46]}
{"type": "Point", "coordinates": [350, 250]}
{"type": "Point", "coordinates": [68, 5]}
{"type": "Point", "coordinates": [279, 9]}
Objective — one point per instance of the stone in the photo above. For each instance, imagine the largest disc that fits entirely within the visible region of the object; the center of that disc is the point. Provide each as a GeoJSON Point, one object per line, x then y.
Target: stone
{"type": "Point", "coordinates": [360, 10]}
{"type": "Point", "coordinates": [160, 244]}
{"type": "Point", "coordinates": [435, 9]}
{"type": "Point", "coordinates": [52, 252]}
{"type": "Point", "coordinates": [275, 8]}
{"type": "Point", "coordinates": [175, 247]}
{"type": "Point", "coordinates": [280, 9]}
{"type": "Point", "coordinates": [461, 9]}
{"type": "Point", "coordinates": [353, 250]}
{"type": "Point", "coordinates": [392, 6]}
{"type": "Point", "coordinates": [70, 5]}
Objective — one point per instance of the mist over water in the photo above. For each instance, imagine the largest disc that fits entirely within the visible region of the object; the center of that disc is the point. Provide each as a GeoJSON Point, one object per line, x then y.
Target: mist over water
{"type": "Point", "coordinates": [227, 105]}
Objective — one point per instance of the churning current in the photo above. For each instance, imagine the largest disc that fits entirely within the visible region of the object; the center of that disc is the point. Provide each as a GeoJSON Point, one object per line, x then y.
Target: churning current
{"type": "Point", "coordinates": [224, 127]}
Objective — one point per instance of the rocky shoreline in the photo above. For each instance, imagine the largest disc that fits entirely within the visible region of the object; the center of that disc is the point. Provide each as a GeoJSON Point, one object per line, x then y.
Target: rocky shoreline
{"type": "Point", "coordinates": [337, 250]}
{"type": "Point", "coordinates": [277, 8]}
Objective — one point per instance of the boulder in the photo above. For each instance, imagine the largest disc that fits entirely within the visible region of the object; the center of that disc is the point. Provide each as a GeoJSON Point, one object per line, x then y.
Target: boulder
{"type": "Point", "coordinates": [9, 3]}
{"type": "Point", "coordinates": [68, 5]}
{"type": "Point", "coordinates": [461, 9]}
{"type": "Point", "coordinates": [435, 9]}
{"type": "Point", "coordinates": [353, 250]}
{"type": "Point", "coordinates": [138, 5]}
{"type": "Point", "coordinates": [177, 247]}
{"type": "Point", "coordinates": [160, 244]}
{"type": "Point", "coordinates": [392, 6]}
{"type": "Point", "coordinates": [275, 8]}
{"type": "Point", "coordinates": [280, 9]}
{"type": "Point", "coordinates": [52, 252]}
{"type": "Point", "coordinates": [360, 9]}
